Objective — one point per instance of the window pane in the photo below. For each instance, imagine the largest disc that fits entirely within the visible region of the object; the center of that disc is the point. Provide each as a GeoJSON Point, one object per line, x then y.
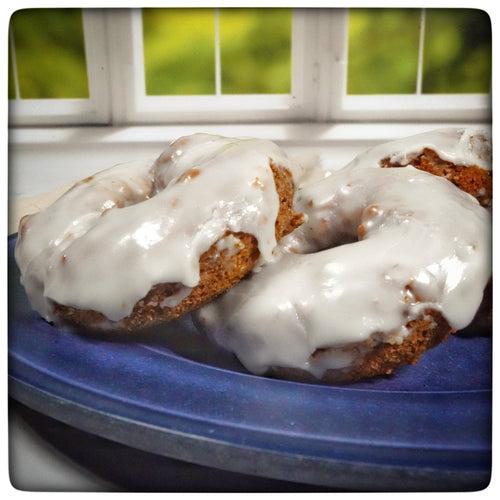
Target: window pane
{"type": "Point", "coordinates": [383, 51]}
{"type": "Point", "coordinates": [255, 47]}
{"type": "Point", "coordinates": [457, 51]}
{"type": "Point", "coordinates": [179, 51]}
{"type": "Point", "coordinates": [50, 53]}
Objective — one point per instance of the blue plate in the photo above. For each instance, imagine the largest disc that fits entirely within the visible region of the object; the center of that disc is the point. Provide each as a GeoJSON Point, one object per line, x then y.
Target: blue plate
{"type": "Point", "coordinates": [427, 427]}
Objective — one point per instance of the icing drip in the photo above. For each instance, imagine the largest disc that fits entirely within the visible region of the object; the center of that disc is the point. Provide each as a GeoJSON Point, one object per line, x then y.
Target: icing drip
{"type": "Point", "coordinates": [104, 244]}
{"type": "Point", "coordinates": [372, 256]}
{"type": "Point", "coordinates": [461, 146]}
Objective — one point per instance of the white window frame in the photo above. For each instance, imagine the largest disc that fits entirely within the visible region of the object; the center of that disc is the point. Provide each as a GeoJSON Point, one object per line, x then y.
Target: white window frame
{"type": "Point", "coordinates": [114, 53]}
{"type": "Point", "coordinates": [391, 107]}
{"type": "Point", "coordinates": [92, 110]}
{"type": "Point", "coordinates": [136, 107]}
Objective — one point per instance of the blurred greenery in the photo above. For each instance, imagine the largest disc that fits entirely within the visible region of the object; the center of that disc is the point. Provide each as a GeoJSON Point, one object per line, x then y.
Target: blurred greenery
{"type": "Point", "coordinates": [383, 51]}
{"type": "Point", "coordinates": [457, 51]}
{"type": "Point", "coordinates": [50, 54]}
{"type": "Point", "coordinates": [255, 51]}
{"type": "Point", "coordinates": [179, 51]}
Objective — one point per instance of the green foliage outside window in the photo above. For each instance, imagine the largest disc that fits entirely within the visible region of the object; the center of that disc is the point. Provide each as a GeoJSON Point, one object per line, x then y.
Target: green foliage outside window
{"type": "Point", "coordinates": [457, 51]}
{"type": "Point", "coordinates": [255, 52]}
{"type": "Point", "coordinates": [179, 51]}
{"type": "Point", "coordinates": [383, 51]}
{"type": "Point", "coordinates": [50, 54]}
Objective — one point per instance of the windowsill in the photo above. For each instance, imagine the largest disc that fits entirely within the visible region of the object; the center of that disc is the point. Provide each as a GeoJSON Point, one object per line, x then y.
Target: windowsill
{"type": "Point", "coordinates": [285, 133]}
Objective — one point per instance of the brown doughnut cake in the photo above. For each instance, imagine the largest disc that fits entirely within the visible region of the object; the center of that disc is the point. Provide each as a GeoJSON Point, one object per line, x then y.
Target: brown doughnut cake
{"type": "Point", "coordinates": [143, 243]}
{"type": "Point", "coordinates": [374, 277]}
{"type": "Point", "coordinates": [472, 179]}
{"type": "Point", "coordinates": [374, 357]}
{"type": "Point", "coordinates": [461, 155]}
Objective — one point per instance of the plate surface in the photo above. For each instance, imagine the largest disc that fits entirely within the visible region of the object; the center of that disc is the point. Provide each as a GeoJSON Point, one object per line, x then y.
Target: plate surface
{"type": "Point", "coordinates": [427, 427]}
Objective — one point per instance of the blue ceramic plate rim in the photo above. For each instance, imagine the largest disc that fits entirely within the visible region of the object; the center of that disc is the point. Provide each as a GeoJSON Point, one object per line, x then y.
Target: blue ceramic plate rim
{"type": "Point", "coordinates": [150, 397]}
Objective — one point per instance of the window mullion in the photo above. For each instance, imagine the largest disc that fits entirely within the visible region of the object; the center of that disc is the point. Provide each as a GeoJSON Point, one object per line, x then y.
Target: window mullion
{"type": "Point", "coordinates": [332, 52]}
{"type": "Point", "coordinates": [420, 68]}
{"type": "Point", "coordinates": [97, 59]}
{"type": "Point", "coordinates": [322, 67]}
{"type": "Point", "coordinates": [125, 74]}
{"type": "Point", "coordinates": [336, 71]}
{"type": "Point", "coordinates": [305, 63]}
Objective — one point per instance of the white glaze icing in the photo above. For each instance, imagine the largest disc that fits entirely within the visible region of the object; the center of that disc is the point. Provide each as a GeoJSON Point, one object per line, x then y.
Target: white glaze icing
{"type": "Point", "coordinates": [423, 243]}
{"type": "Point", "coordinates": [461, 146]}
{"type": "Point", "coordinates": [87, 252]}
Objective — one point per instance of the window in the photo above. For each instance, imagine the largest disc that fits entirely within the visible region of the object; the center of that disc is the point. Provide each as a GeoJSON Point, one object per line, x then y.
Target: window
{"type": "Point", "coordinates": [439, 65]}
{"type": "Point", "coordinates": [244, 65]}
{"type": "Point", "coordinates": [226, 51]}
{"type": "Point", "coordinates": [219, 87]}
{"type": "Point", "coordinates": [64, 73]}
{"type": "Point", "coordinates": [57, 67]}
{"type": "Point", "coordinates": [440, 51]}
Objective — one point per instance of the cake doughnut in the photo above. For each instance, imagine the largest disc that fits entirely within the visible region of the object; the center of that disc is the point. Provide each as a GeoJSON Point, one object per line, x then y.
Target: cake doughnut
{"type": "Point", "coordinates": [145, 242]}
{"type": "Point", "coordinates": [373, 278]}
{"type": "Point", "coordinates": [461, 155]}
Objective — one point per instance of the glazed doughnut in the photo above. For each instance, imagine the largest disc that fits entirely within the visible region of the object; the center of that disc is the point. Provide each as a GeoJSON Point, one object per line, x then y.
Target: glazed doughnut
{"type": "Point", "coordinates": [146, 242]}
{"type": "Point", "coordinates": [461, 155]}
{"type": "Point", "coordinates": [373, 278]}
